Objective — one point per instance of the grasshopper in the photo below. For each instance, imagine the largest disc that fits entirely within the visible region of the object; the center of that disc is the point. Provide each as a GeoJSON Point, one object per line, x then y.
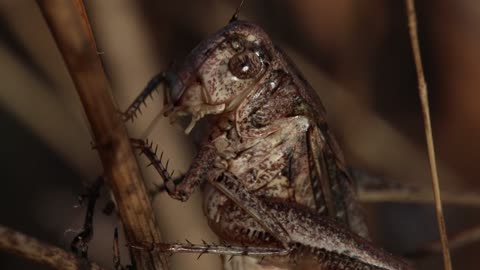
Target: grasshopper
{"type": "Point", "coordinates": [275, 180]}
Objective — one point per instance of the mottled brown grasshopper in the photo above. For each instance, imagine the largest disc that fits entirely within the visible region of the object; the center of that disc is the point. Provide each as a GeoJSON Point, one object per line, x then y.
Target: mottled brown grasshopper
{"type": "Point", "coordinates": [276, 183]}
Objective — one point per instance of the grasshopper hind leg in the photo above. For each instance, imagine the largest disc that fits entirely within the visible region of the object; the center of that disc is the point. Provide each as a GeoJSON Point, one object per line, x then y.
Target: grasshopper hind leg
{"type": "Point", "coordinates": [233, 224]}
{"type": "Point", "coordinates": [312, 236]}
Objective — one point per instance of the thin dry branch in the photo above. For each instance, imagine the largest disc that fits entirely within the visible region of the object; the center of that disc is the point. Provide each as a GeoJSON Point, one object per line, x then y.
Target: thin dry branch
{"type": "Point", "coordinates": [70, 28]}
{"type": "Point", "coordinates": [417, 196]}
{"type": "Point", "coordinates": [457, 241]}
{"type": "Point", "coordinates": [42, 253]}
{"type": "Point", "coordinates": [423, 93]}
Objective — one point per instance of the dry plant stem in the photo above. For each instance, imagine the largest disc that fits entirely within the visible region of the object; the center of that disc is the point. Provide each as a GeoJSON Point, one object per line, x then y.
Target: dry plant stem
{"type": "Point", "coordinates": [418, 196]}
{"type": "Point", "coordinates": [119, 163]}
{"type": "Point", "coordinates": [456, 241]}
{"type": "Point", "coordinates": [42, 253]}
{"type": "Point", "coordinates": [422, 89]}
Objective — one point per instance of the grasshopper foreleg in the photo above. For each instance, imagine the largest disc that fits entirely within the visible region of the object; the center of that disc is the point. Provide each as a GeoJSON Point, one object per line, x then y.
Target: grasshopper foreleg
{"type": "Point", "coordinates": [182, 187]}
{"type": "Point", "coordinates": [134, 108]}
{"type": "Point", "coordinates": [146, 148]}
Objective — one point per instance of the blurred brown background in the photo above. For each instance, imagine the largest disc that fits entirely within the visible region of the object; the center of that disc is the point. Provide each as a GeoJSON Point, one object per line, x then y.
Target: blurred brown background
{"type": "Point", "coordinates": [356, 54]}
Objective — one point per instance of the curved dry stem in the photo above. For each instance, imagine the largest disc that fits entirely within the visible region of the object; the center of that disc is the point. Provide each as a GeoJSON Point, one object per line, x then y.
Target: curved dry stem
{"type": "Point", "coordinates": [30, 248]}
{"type": "Point", "coordinates": [70, 28]}
{"type": "Point", "coordinates": [423, 93]}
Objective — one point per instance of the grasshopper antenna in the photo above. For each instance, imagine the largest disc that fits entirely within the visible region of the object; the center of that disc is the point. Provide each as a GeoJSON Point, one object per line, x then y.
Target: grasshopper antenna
{"type": "Point", "coordinates": [235, 15]}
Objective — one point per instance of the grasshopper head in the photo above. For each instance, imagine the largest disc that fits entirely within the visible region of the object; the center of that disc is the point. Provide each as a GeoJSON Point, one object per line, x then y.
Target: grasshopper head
{"type": "Point", "coordinates": [219, 72]}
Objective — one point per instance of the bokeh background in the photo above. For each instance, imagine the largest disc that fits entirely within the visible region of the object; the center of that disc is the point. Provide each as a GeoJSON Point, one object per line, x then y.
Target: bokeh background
{"type": "Point", "coordinates": [356, 54]}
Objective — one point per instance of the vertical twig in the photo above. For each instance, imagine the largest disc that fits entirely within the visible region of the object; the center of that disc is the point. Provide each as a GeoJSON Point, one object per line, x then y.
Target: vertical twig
{"type": "Point", "coordinates": [71, 31]}
{"type": "Point", "coordinates": [423, 93]}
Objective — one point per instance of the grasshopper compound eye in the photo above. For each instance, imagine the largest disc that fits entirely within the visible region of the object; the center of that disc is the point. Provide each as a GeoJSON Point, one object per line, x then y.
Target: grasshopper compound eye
{"type": "Point", "coordinates": [245, 65]}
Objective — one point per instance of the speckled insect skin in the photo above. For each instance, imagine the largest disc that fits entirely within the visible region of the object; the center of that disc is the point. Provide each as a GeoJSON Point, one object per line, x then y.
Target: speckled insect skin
{"type": "Point", "coordinates": [275, 175]}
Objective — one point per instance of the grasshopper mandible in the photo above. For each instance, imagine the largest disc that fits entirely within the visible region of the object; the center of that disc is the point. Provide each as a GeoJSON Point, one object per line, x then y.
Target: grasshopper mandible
{"type": "Point", "coordinates": [275, 179]}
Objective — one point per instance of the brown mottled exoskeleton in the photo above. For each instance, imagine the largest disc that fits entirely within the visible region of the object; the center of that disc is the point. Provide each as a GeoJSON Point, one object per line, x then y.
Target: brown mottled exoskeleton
{"type": "Point", "coordinates": [275, 180]}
